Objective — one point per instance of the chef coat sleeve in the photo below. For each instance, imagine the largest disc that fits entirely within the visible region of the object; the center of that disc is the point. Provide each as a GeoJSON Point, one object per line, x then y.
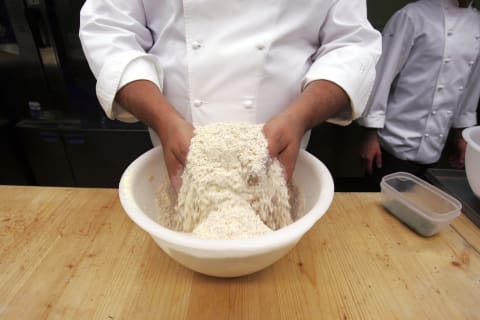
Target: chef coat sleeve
{"type": "Point", "coordinates": [398, 38]}
{"type": "Point", "coordinates": [115, 41]}
{"type": "Point", "coordinates": [466, 115]}
{"type": "Point", "coordinates": [349, 49]}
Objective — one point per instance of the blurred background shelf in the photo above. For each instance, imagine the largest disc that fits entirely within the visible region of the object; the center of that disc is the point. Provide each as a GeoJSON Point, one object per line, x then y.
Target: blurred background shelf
{"type": "Point", "coordinates": [64, 153]}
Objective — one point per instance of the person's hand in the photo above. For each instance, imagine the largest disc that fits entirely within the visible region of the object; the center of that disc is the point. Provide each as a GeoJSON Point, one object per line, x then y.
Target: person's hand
{"type": "Point", "coordinates": [370, 152]}
{"type": "Point", "coordinates": [175, 135]}
{"type": "Point", "coordinates": [320, 100]}
{"type": "Point", "coordinates": [284, 134]}
{"type": "Point", "coordinates": [144, 100]}
{"type": "Point", "coordinates": [457, 160]}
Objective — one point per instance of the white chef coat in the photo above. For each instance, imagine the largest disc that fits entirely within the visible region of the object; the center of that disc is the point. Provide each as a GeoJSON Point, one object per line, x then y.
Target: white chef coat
{"type": "Point", "coordinates": [428, 79]}
{"type": "Point", "coordinates": [242, 60]}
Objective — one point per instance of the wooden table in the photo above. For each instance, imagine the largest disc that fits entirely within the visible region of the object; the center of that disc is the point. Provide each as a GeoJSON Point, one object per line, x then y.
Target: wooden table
{"type": "Point", "coordinates": [74, 254]}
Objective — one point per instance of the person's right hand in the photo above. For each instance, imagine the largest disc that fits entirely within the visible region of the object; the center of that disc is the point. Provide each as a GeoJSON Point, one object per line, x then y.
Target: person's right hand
{"type": "Point", "coordinates": [175, 135]}
{"type": "Point", "coordinates": [457, 158]}
{"type": "Point", "coordinates": [370, 152]}
{"type": "Point", "coordinates": [143, 99]}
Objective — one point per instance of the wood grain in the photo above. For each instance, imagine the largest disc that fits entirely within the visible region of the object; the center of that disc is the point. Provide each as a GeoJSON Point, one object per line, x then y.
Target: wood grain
{"type": "Point", "coordinates": [74, 254]}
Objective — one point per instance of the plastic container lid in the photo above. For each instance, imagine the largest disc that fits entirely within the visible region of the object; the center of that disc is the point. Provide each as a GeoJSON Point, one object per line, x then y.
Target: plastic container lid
{"type": "Point", "coordinates": [420, 205]}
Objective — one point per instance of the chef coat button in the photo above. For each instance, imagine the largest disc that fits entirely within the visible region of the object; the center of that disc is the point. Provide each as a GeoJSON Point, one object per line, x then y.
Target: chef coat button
{"type": "Point", "coordinates": [460, 88]}
{"type": "Point", "coordinates": [449, 33]}
{"type": "Point", "coordinates": [440, 87]}
{"type": "Point", "coordinates": [447, 60]}
{"type": "Point", "coordinates": [440, 135]}
{"type": "Point", "coordinates": [471, 62]}
{"type": "Point", "coordinates": [477, 37]}
{"type": "Point", "coordinates": [197, 103]}
{"type": "Point", "coordinates": [426, 135]}
{"type": "Point", "coordinates": [248, 104]}
{"type": "Point", "coordinates": [449, 112]}
{"type": "Point", "coordinates": [196, 45]}
{"type": "Point", "coordinates": [434, 112]}
{"type": "Point", "coordinates": [260, 46]}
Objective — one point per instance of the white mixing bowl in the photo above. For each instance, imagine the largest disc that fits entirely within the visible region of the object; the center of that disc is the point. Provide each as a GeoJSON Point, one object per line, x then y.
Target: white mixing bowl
{"type": "Point", "coordinates": [472, 158]}
{"type": "Point", "coordinates": [222, 258]}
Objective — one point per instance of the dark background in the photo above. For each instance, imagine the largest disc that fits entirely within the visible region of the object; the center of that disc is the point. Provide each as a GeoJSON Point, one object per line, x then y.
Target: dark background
{"type": "Point", "coordinates": [53, 131]}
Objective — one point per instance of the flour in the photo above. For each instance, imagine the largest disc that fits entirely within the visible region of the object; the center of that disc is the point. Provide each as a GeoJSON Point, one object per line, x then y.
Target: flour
{"type": "Point", "coordinates": [231, 188]}
{"type": "Point", "coordinates": [238, 222]}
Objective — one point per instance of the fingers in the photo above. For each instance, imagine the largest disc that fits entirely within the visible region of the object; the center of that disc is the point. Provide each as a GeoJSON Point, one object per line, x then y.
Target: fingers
{"type": "Point", "coordinates": [371, 153]}
{"type": "Point", "coordinates": [275, 146]}
{"type": "Point", "coordinates": [452, 161]}
{"type": "Point", "coordinates": [286, 167]}
{"type": "Point", "coordinates": [457, 162]}
{"type": "Point", "coordinates": [461, 149]}
{"type": "Point", "coordinates": [369, 165]}
{"type": "Point", "coordinates": [288, 159]}
{"type": "Point", "coordinates": [176, 145]}
{"type": "Point", "coordinates": [457, 159]}
{"type": "Point", "coordinates": [176, 181]}
{"type": "Point", "coordinates": [370, 160]}
{"type": "Point", "coordinates": [461, 160]}
{"type": "Point", "coordinates": [367, 162]}
{"type": "Point", "coordinates": [279, 151]}
{"type": "Point", "coordinates": [175, 159]}
{"type": "Point", "coordinates": [175, 169]}
{"type": "Point", "coordinates": [285, 151]}
{"type": "Point", "coordinates": [378, 159]}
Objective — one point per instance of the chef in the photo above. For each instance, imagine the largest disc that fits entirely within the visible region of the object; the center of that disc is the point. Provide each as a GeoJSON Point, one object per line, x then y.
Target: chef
{"type": "Point", "coordinates": [428, 81]}
{"type": "Point", "coordinates": [175, 65]}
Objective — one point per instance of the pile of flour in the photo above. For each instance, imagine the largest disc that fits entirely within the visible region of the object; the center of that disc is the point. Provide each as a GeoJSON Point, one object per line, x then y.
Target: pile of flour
{"type": "Point", "coordinates": [231, 188]}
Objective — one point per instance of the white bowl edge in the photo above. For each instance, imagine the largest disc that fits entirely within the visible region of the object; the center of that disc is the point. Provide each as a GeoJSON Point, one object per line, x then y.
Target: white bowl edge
{"type": "Point", "coordinates": [221, 248]}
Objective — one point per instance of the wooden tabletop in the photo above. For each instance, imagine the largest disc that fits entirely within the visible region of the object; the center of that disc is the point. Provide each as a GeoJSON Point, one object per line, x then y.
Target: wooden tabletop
{"type": "Point", "coordinates": [70, 253]}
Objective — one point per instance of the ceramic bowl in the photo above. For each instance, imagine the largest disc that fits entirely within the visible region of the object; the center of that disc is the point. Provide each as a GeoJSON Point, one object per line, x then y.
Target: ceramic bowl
{"type": "Point", "coordinates": [472, 158]}
{"type": "Point", "coordinates": [222, 258]}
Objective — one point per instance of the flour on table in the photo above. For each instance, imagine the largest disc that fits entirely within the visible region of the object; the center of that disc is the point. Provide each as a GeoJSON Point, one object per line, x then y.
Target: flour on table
{"type": "Point", "coordinates": [231, 188]}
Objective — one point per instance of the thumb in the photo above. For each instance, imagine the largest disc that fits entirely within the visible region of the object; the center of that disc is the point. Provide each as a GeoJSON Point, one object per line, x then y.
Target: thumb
{"type": "Point", "coordinates": [176, 180]}
{"type": "Point", "coordinates": [175, 171]}
{"type": "Point", "coordinates": [288, 158]}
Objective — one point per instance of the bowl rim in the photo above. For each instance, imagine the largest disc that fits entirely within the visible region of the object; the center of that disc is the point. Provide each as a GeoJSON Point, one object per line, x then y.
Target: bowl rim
{"type": "Point", "coordinates": [279, 238]}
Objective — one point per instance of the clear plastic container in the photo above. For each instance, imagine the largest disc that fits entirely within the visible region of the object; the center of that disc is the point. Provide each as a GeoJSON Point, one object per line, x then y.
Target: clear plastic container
{"type": "Point", "coordinates": [420, 205]}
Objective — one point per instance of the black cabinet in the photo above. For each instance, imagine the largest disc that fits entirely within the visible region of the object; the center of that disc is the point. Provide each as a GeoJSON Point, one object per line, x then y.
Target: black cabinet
{"type": "Point", "coordinates": [98, 157]}
{"type": "Point", "coordinates": [46, 154]}
{"type": "Point", "coordinates": [63, 153]}
{"type": "Point", "coordinates": [338, 148]}
{"type": "Point", "coordinates": [14, 168]}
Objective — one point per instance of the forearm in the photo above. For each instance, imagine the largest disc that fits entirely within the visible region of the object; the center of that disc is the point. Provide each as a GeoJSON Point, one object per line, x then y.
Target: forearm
{"type": "Point", "coordinates": [319, 101]}
{"type": "Point", "coordinates": [146, 102]}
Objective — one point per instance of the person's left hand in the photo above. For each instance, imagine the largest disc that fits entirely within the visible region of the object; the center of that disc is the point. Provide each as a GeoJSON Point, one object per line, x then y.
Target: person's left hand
{"type": "Point", "coordinates": [320, 100]}
{"type": "Point", "coordinates": [457, 160]}
{"type": "Point", "coordinates": [284, 133]}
